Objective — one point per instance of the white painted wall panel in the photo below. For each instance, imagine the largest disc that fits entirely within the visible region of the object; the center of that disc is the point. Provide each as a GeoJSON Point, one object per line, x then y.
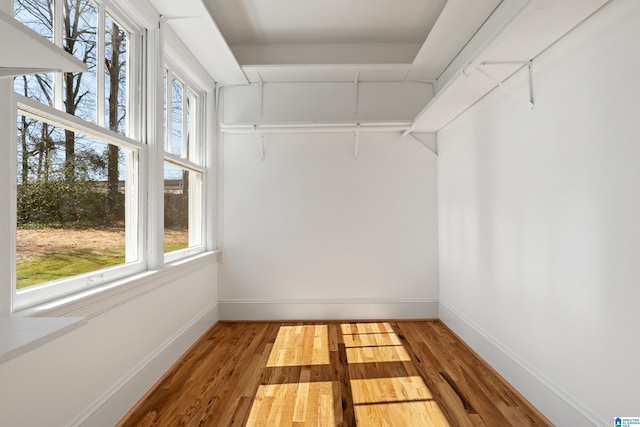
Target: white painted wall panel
{"type": "Point", "coordinates": [290, 102]}
{"type": "Point", "coordinates": [69, 379]}
{"type": "Point", "coordinates": [539, 231]}
{"type": "Point", "coordinates": [312, 223]}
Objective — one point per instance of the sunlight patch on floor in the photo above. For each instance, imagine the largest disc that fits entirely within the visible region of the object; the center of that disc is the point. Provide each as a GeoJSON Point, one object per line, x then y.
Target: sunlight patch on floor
{"type": "Point", "coordinates": [392, 401]}
{"type": "Point", "coordinates": [300, 346]}
{"type": "Point", "coordinates": [307, 403]}
{"type": "Point", "coordinates": [373, 342]}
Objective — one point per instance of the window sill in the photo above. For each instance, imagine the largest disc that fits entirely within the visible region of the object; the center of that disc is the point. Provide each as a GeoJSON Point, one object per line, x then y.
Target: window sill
{"type": "Point", "coordinates": [20, 335]}
{"type": "Point", "coordinates": [93, 302]}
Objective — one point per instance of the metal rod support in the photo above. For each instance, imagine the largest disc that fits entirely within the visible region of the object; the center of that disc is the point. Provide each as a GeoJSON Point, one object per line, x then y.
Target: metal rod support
{"type": "Point", "coordinates": [356, 82]}
{"type": "Point", "coordinates": [356, 142]}
{"type": "Point", "coordinates": [422, 145]}
{"type": "Point", "coordinates": [261, 84]}
{"type": "Point", "coordinates": [502, 84]}
{"type": "Point", "coordinates": [260, 139]}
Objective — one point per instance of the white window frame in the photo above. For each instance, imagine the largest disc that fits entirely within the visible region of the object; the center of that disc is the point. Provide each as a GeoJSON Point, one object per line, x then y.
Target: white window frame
{"type": "Point", "coordinates": [134, 259]}
{"type": "Point", "coordinates": [176, 59]}
{"type": "Point", "coordinates": [152, 46]}
{"type": "Point", "coordinates": [14, 300]}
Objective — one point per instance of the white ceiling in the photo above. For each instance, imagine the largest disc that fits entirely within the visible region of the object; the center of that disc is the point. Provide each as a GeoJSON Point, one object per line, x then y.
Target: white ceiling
{"type": "Point", "coordinates": [419, 37]}
{"type": "Point", "coordinates": [325, 21]}
{"type": "Point", "coordinates": [241, 41]}
{"type": "Point", "coordinates": [244, 40]}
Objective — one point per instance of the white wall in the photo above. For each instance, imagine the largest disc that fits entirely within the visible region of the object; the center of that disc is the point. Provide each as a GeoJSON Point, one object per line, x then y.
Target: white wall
{"type": "Point", "coordinates": [539, 225]}
{"type": "Point", "coordinates": [324, 102]}
{"type": "Point", "coordinates": [311, 232]}
{"type": "Point", "coordinates": [94, 374]}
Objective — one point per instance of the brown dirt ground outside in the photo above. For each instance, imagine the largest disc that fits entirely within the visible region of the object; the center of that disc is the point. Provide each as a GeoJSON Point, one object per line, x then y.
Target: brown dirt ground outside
{"type": "Point", "coordinates": [44, 241]}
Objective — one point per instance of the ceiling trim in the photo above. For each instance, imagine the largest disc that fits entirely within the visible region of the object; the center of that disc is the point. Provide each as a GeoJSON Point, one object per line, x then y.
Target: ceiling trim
{"type": "Point", "coordinates": [521, 37]}
{"type": "Point", "coordinates": [190, 20]}
{"type": "Point", "coordinates": [326, 73]}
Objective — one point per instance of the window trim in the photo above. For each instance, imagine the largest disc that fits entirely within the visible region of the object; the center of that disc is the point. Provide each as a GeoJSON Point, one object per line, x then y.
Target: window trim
{"type": "Point", "coordinates": [152, 46]}
{"type": "Point", "coordinates": [31, 296]}
{"type": "Point", "coordinates": [197, 146]}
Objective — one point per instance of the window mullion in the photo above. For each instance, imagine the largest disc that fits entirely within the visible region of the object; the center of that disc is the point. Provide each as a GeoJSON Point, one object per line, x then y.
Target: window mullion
{"type": "Point", "coordinates": [65, 120]}
{"type": "Point", "coordinates": [183, 163]}
{"type": "Point", "coordinates": [132, 215]}
{"type": "Point", "coordinates": [100, 69]}
{"type": "Point", "coordinates": [156, 145]}
{"type": "Point", "coordinates": [185, 130]}
{"type": "Point", "coordinates": [169, 111]}
{"type": "Point", "coordinates": [195, 208]}
{"type": "Point", "coordinates": [8, 192]}
{"type": "Point", "coordinates": [58, 34]}
{"type": "Point", "coordinates": [194, 113]}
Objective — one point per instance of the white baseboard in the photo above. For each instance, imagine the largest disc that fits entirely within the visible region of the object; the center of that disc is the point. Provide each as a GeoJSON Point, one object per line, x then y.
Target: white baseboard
{"type": "Point", "coordinates": [328, 309]}
{"type": "Point", "coordinates": [556, 404]}
{"type": "Point", "coordinates": [116, 402]}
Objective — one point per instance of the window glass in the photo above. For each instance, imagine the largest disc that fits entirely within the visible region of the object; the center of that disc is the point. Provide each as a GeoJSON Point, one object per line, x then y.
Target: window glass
{"type": "Point", "coordinates": [80, 20]}
{"type": "Point", "coordinates": [176, 208]}
{"type": "Point", "coordinates": [37, 15]}
{"type": "Point", "coordinates": [177, 108]}
{"type": "Point", "coordinates": [185, 152]}
{"type": "Point", "coordinates": [115, 76]}
{"type": "Point", "coordinates": [165, 120]}
{"type": "Point", "coordinates": [71, 218]}
{"type": "Point", "coordinates": [183, 189]}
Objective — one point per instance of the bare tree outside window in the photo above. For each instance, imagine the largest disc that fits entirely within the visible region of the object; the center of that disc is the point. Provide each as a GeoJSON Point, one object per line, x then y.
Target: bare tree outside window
{"type": "Point", "coordinates": [64, 175]}
{"type": "Point", "coordinates": [115, 82]}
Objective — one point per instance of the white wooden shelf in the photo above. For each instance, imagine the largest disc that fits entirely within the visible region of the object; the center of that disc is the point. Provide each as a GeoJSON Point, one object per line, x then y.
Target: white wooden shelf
{"type": "Point", "coordinates": [23, 51]}
{"type": "Point", "coordinates": [505, 49]}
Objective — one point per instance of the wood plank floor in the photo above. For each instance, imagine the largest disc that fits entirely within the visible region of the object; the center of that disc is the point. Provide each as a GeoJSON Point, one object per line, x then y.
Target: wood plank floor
{"type": "Point", "coordinates": [386, 373]}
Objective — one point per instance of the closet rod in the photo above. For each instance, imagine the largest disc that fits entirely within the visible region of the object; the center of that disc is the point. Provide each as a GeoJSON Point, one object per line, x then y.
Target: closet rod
{"type": "Point", "coordinates": [314, 127]}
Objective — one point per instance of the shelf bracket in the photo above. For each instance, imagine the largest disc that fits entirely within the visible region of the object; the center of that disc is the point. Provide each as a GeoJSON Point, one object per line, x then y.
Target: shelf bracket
{"type": "Point", "coordinates": [529, 66]}
{"type": "Point", "coordinates": [356, 141]}
{"type": "Point", "coordinates": [216, 95]}
{"type": "Point", "coordinates": [356, 83]}
{"type": "Point", "coordinates": [417, 141]}
{"type": "Point", "coordinates": [261, 84]}
{"type": "Point", "coordinates": [260, 139]}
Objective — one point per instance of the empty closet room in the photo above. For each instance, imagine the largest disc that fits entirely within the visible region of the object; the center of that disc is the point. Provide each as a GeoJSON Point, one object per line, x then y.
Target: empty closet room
{"type": "Point", "coordinates": [318, 197]}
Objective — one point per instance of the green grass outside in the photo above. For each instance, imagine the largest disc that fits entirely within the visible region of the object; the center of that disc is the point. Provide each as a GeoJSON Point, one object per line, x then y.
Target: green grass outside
{"type": "Point", "coordinates": [175, 246]}
{"type": "Point", "coordinates": [65, 264]}
{"type": "Point", "coordinates": [61, 265]}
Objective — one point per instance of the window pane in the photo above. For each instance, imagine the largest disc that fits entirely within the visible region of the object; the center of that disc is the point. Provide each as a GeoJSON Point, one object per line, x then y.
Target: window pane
{"type": "Point", "coordinates": [167, 140]}
{"type": "Point", "coordinates": [37, 15]}
{"type": "Point", "coordinates": [80, 19]}
{"type": "Point", "coordinates": [115, 76]}
{"type": "Point", "coordinates": [70, 203]}
{"type": "Point", "coordinates": [187, 140]}
{"type": "Point", "coordinates": [182, 218]}
{"type": "Point", "coordinates": [176, 117]}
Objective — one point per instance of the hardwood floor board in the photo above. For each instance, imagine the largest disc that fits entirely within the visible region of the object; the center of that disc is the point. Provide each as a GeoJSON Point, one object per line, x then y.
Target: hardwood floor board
{"type": "Point", "coordinates": [473, 394]}
{"type": "Point", "coordinates": [337, 374]}
{"type": "Point", "coordinates": [240, 381]}
{"type": "Point", "coordinates": [344, 381]}
{"type": "Point", "coordinates": [240, 413]}
{"type": "Point", "coordinates": [453, 407]}
{"type": "Point", "coordinates": [376, 370]}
